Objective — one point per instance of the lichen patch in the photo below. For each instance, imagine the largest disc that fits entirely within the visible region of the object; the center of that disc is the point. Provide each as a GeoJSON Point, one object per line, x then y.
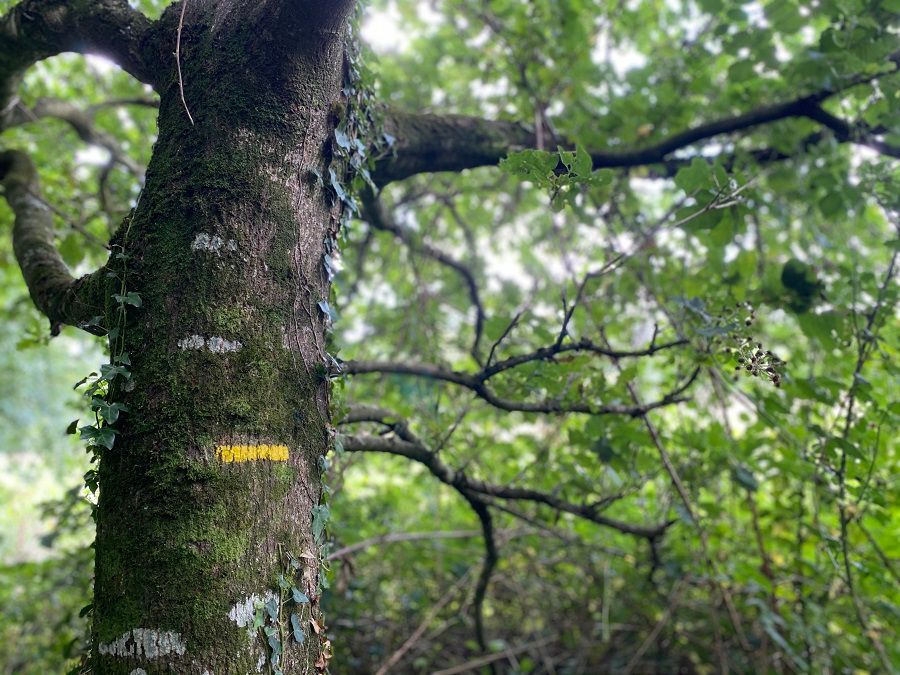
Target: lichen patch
{"type": "Point", "coordinates": [218, 345]}
{"type": "Point", "coordinates": [144, 643]}
{"type": "Point", "coordinates": [242, 612]}
{"type": "Point", "coordinates": [215, 344]}
{"type": "Point", "coordinates": [213, 244]}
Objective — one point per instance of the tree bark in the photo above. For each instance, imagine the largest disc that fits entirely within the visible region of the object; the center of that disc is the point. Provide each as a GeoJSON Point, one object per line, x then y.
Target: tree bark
{"type": "Point", "coordinates": [207, 497]}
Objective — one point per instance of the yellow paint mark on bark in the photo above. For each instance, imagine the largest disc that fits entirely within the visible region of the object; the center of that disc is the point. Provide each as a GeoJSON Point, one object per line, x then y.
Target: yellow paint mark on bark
{"type": "Point", "coordinates": [252, 453]}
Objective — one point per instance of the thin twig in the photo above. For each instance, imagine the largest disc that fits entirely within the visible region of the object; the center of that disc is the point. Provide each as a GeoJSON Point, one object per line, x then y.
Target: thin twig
{"type": "Point", "coordinates": [429, 617]}
{"type": "Point", "coordinates": [657, 629]}
{"type": "Point", "coordinates": [178, 60]}
{"type": "Point", "coordinates": [394, 537]}
{"type": "Point", "coordinates": [474, 664]}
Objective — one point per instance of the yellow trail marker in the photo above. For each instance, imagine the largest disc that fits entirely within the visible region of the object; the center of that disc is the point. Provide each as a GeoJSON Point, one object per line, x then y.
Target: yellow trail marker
{"type": "Point", "coordinates": [252, 453]}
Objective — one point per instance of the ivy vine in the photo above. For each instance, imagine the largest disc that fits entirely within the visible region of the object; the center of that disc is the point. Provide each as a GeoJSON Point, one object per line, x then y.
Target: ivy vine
{"type": "Point", "coordinates": [114, 376]}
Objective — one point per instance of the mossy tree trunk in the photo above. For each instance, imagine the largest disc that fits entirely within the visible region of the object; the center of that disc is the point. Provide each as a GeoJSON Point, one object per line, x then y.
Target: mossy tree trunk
{"type": "Point", "coordinates": [208, 496]}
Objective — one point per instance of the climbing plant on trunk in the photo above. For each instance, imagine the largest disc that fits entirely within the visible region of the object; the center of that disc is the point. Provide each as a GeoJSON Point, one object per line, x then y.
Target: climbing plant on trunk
{"type": "Point", "coordinates": [210, 486]}
{"type": "Point", "coordinates": [212, 419]}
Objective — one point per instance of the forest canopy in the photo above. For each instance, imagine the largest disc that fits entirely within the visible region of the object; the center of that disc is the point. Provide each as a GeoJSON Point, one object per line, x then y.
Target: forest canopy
{"type": "Point", "coordinates": [611, 336]}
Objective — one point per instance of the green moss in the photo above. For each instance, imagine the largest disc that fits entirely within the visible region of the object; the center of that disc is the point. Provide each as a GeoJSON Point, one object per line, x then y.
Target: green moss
{"type": "Point", "coordinates": [182, 536]}
{"type": "Point", "coordinates": [228, 320]}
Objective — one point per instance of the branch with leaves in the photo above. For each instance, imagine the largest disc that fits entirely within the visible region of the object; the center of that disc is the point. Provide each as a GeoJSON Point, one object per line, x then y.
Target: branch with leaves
{"type": "Point", "coordinates": [476, 382]}
{"type": "Point", "coordinates": [405, 444]}
{"type": "Point", "coordinates": [381, 219]}
{"type": "Point", "coordinates": [479, 494]}
{"type": "Point", "coordinates": [432, 142]}
{"type": "Point", "coordinates": [82, 123]}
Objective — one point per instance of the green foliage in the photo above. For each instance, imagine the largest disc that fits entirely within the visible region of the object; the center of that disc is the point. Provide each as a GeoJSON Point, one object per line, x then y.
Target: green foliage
{"type": "Point", "coordinates": [784, 470]}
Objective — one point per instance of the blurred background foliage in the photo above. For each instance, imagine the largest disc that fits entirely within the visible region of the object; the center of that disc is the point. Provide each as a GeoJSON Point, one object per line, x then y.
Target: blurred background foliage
{"type": "Point", "coordinates": [809, 243]}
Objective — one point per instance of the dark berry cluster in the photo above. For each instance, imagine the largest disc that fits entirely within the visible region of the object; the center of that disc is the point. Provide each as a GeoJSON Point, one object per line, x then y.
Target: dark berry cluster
{"type": "Point", "coordinates": [750, 355]}
{"type": "Point", "coordinates": [758, 362]}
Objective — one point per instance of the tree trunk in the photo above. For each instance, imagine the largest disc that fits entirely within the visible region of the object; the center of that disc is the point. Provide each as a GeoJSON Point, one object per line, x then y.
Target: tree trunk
{"type": "Point", "coordinates": [209, 494]}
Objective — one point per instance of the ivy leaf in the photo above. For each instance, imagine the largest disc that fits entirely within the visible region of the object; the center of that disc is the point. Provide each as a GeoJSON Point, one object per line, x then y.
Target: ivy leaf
{"type": "Point", "coordinates": [297, 631]}
{"type": "Point", "coordinates": [337, 186]}
{"type": "Point", "coordinates": [299, 596]}
{"type": "Point", "coordinates": [104, 436]}
{"type": "Point", "coordinates": [274, 642]}
{"type": "Point", "coordinates": [327, 310]}
{"type": "Point", "coordinates": [109, 372]}
{"type": "Point", "coordinates": [92, 480]}
{"type": "Point", "coordinates": [342, 139]}
{"type": "Point", "coordinates": [130, 298]}
{"type": "Point", "coordinates": [320, 514]}
{"type": "Point", "coordinates": [329, 267]}
{"type": "Point", "coordinates": [109, 412]}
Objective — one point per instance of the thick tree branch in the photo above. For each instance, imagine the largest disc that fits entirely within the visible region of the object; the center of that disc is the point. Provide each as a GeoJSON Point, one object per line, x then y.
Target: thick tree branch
{"type": "Point", "coordinates": [409, 446]}
{"type": "Point", "coordinates": [491, 557]}
{"type": "Point", "coordinates": [849, 133]}
{"type": "Point", "coordinates": [430, 143]}
{"type": "Point", "coordinates": [476, 384]}
{"type": "Point", "coordinates": [458, 479]}
{"type": "Point", "coordinates": [38, 29]}
{"type": "Point", "coordinates": [61, 297]}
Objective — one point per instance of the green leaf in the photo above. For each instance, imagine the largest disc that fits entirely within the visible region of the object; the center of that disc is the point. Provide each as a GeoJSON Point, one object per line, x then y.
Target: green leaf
{"type": "Point", "coordinates": [130, 298]}
{"type": "Point", "coordinates": [741, 71]}
{"type": "Point", "coordinates": [103, 436]}
{"type": "Point", "coordinates": [583, 165]}
{"type": "Point", "coordinates": [342, 139]}
{"type": "Point", "coordinates": [744, 477]}
{"type": "Point", "coordinates": [320, 514]}
{"type": "Point", "coordinates": [109, 372]}
{"type": "Point", "coordinates": [696, 176]}
{"type": "Point", "coordinates": [71, 248]}
{"type": "Point", "coordinates": [296, 629]}
{"type": "Point", "coordinates": [536, 166]}
{"type": "Point", "coordinates": [784, 16]}
{"type": "Point", "coordinates": [604, 450]}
